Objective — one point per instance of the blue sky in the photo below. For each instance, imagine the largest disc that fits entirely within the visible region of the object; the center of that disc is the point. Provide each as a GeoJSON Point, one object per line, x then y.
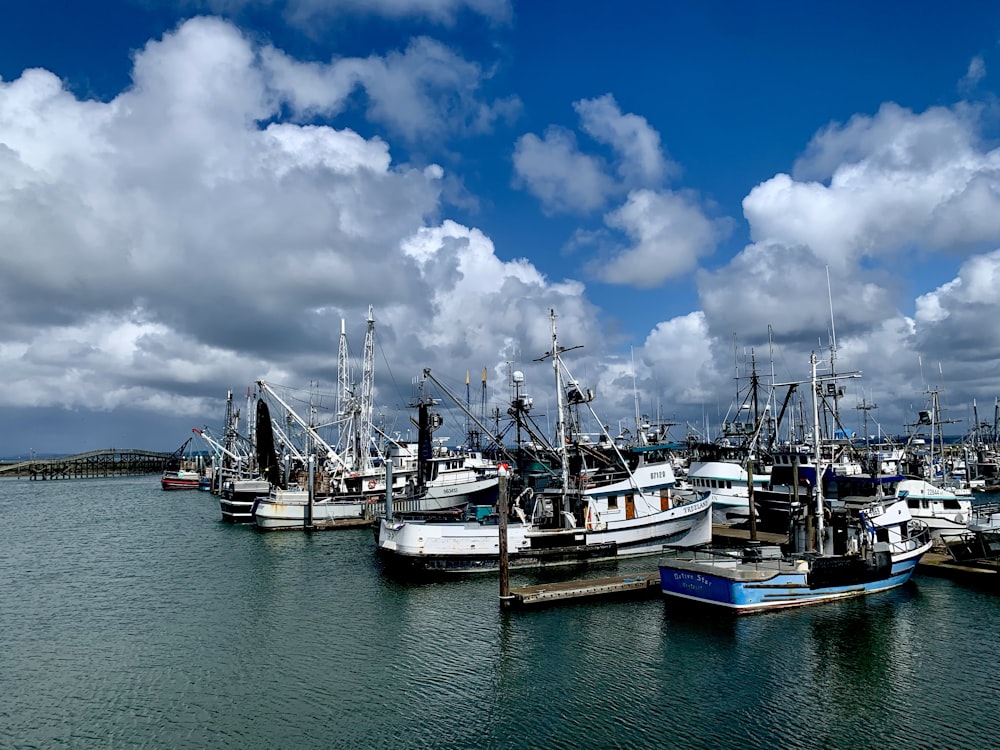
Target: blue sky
{"type": "Point", "coordinates": [194, 194]}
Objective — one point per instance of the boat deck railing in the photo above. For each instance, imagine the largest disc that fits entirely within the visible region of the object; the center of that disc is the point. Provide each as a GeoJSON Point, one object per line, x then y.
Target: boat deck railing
{"type": "Point", "coordinates": [965, 546]}
{"type": "Point", "coordinates": [983, 511]}
{"type": "Point", "coordinates": [747, 565]}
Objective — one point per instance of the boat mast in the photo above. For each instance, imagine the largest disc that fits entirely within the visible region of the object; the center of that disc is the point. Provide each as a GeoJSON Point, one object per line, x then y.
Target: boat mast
{"type": "Point", "coordinates": [833, 354]}
{"type": "Point", "coordinates": [560, 409]}
{"type": "Point", "coordinates": [367, 405]}
{"type": "Point", "coordinates": [229, 436]}
{"type": "Point", "coordinates": [817, 445]}
{"type": "Point", "coordinates": [345, 422]}
{"type": "Point", "coordinates": [251, 433]}
{"type": "Point", "coordinates": [312, 435]}
{"type": "Point", "coordinates": [639, 432]}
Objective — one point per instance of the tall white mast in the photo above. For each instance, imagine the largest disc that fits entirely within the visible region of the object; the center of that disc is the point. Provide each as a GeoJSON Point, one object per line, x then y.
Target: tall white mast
{"type": "Point", "coordinates": [346, 424]}
{"type": "Point", "coordinates": [817, 446]}
{"type": "Point", "coordinates": [833, 353]}
{"type": "Point", "coordinates": [560, 407]}
{"type": "Point", "coordinates": [367, 406]}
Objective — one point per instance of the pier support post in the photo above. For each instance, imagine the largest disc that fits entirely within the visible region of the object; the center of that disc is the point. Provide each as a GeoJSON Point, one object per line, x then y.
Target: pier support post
{"type": "Point", "coordinates": [502, 490]}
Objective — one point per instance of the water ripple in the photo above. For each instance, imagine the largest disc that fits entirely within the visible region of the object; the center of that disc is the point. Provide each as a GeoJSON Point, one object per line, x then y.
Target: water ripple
{"type": "Point", "coordinates": [135, 618]}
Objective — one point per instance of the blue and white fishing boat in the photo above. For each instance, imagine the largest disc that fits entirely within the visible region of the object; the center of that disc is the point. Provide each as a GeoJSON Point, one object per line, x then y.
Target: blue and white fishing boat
{"type": "Point", "coordinates": [831, 554]}
{"type": "Point", "coordinates": [876, 550]}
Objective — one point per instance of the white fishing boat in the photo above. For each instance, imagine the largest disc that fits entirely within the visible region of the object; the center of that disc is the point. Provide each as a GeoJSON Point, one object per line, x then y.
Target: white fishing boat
{"type": "Point", "coordinates": [720, 466]}
{"type": "Point", "coordinates": [727, 486]}
{"type": "Point", "coordinates": [293, 508]}
{"type": "Point", "coordinates": [586, 516]}
{"type": "Point", "coordinates": [180, 471]}
{"type": "Point", "coordinates": [941, 509]}
{"type": "Point", "coordinates": [333, 484]}
{"type": "Point", "coordinates": [455, 480]}
{"type": "Point", "coordinates": [424, 478]}
{"type": "Point", "coordinates": [180, 479]}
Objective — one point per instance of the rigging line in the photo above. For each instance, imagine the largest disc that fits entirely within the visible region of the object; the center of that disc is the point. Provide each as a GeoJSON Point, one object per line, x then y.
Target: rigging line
{"type": "Point", "coordinates": [388, 367]}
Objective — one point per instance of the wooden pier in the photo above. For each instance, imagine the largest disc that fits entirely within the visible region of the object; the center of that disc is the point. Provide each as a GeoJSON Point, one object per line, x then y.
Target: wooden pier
{"type": "Point", "coordinates": [633, 585]}
{"type": "Point", "coordinates": [722, 534]}
{"type": "Point", "coordinates": [108, 462]}
{"type": "Point", "coordinates": [984, 573]}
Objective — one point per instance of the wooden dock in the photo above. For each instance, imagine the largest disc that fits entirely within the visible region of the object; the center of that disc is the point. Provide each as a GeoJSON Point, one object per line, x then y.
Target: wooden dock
{"type": "Point", "coordinates": [728, 534]}
{"type": "Point", "coordinates": [983, 573]}
{"type": "Point", "coordinates": [632, 585]}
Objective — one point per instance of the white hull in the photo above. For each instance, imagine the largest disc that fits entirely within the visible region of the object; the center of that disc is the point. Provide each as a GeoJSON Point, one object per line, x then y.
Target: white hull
{"type": "Point", "coordinates": [289, 509]}
{"type": "Point", "coordinates": [457, 493]}
{"type": "Point", "coordinates": [465, 547]}
{"type": "Point", "coordinates": [726, 483]}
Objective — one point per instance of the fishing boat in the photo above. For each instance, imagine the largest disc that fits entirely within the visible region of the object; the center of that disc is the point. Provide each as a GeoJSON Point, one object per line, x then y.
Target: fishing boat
{"type": "Point", "coordinates": [720, 466]}
{"type": "Point", "coordinates": [456, 480]}
{"type": "Point", "coordinates": [831, 554]}
{"type": "Point", "coordinates": [237, 498]}
{"type": "Point", "coordinates": [846, 482]}
{"type": "Point", "coordinates": [424, 477]}
{"type": "Point", "coordinates": [180, 479]}
{"type": "Point", "coordinates": [180, 472]}
{"type": "Point", "coordinates": [941, 509]}
{"type": "Point", "coordinates": [589, 513]}
{"type": "Point", "coordinates": [727, 484]}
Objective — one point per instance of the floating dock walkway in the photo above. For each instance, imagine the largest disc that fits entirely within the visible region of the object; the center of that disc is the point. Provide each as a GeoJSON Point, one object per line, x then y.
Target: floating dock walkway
{"type": "Point", "coordinates": [634, 585]}
{"type": "Point", "coordinates": [984, 573]}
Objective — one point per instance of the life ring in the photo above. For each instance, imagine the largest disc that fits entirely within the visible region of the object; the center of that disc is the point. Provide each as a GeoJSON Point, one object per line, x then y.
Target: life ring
{"type": "Point", "coordinates": [959, 518]}
{"type": "Point", "coordinates": [371, 484]}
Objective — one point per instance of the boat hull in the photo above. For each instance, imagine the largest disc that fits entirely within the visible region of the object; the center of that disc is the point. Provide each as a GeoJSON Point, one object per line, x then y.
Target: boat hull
{"type": "Point", "coordinates": [237, 498]}
{"type": "Point", "coordinates": [481, 491]}
{"type": "Point", "coordinates": [726, 482]}
{"type": "Point", "coordinates": [776, 584]}
{"type": "Point", "coordinates": [290, 509]}
{"type": "Point", "coordinates": [179, 480]}
{"type": "Point", "coordinates": [423, 547]}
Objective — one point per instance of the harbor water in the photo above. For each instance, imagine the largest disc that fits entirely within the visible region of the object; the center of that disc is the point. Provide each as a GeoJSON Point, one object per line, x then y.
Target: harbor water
{"type": "Point", "coordinates": [135, 618]}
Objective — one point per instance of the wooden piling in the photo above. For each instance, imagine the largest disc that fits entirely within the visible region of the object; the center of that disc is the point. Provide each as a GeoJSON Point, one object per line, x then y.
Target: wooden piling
{"type": "Point", "coordinates": [502, 490]}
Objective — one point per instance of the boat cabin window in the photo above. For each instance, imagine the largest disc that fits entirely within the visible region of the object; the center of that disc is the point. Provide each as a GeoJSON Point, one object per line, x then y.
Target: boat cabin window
{"type": "Point", "coordinates": [912, 502]}
{"type": "Point", "coordinates": [613, 502]}
{"type": "Point", "coordinates": [881, 534]}
{"type": "Point", "coordinates": [952, 505]}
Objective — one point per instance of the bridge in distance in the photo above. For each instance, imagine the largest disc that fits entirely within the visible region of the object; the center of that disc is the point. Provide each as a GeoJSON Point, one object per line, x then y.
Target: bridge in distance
{"type": "Point", "coordinates": [107, 462]}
